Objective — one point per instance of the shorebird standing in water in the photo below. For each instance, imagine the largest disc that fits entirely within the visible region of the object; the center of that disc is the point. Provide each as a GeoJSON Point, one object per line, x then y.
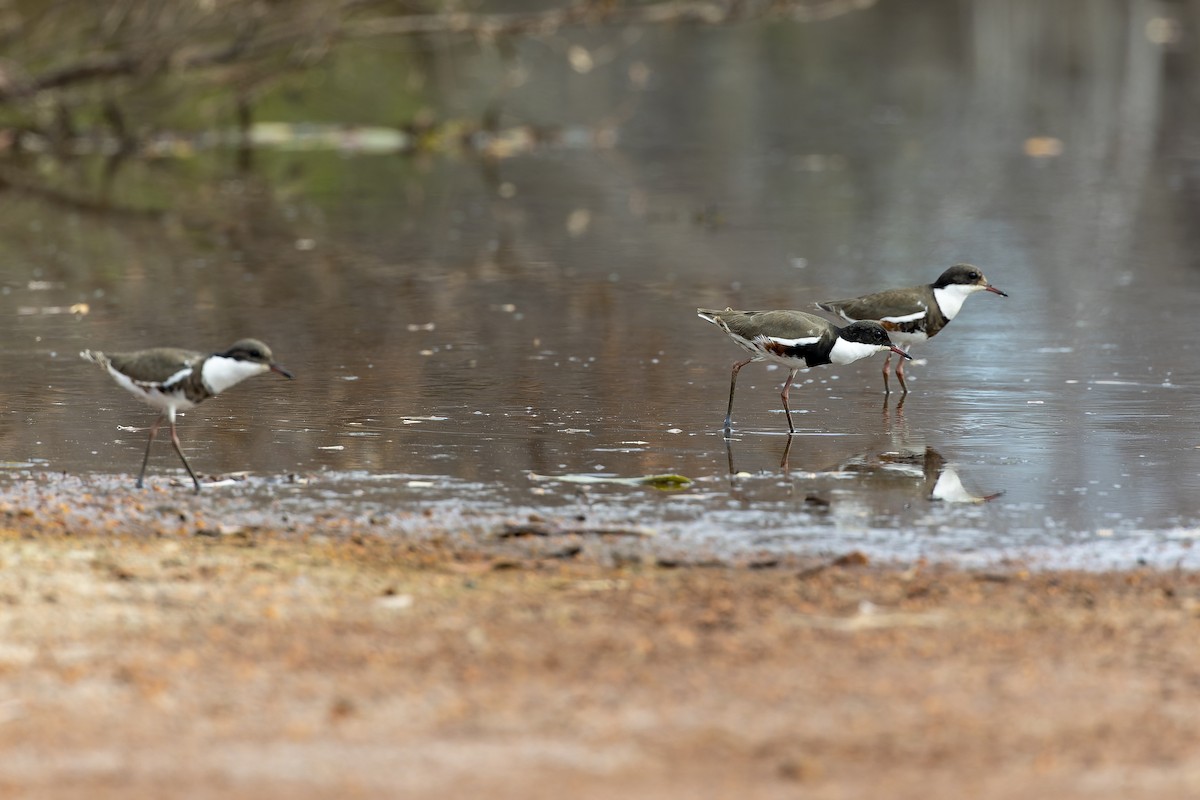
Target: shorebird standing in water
{"type": "Point", "coordinates": [796, 340]}
{"type": "Point", "coordinates": [916, 313]}
{"type": "Point", "coordinates": [172, 380]}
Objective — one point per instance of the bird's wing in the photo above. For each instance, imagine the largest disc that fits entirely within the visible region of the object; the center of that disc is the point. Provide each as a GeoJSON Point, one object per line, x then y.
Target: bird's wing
{"type": "Point", "coordinates": [148, 366]}
{"type": "Point", "coordinates": [788, 327]}
{"type": "Point", "coordinates": [893, 305]}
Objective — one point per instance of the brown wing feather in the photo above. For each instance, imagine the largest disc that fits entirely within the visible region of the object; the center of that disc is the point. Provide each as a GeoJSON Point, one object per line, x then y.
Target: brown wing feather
{"type": "Point", "coordinates": [151, 366]}
{"type": "Point", "coordinates": [889, 303]}
{"type": "Point", "coordinates": [779, 324]}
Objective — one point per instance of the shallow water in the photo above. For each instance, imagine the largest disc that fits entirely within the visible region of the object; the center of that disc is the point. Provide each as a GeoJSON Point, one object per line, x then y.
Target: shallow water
{"type": "Point", "coordinates": [456, 325]}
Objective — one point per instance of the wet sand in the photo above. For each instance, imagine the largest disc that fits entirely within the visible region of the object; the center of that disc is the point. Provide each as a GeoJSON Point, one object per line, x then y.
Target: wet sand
{"type": "Point", "coordinates": [189, 659]}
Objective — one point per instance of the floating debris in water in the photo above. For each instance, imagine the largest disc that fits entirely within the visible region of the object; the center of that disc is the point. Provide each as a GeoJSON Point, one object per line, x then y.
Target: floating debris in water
{"type": "Point", "coordinates": [662, 481]}
{"type": "Point", "coordinates": [579, 221]}
{"type": "Point", "coordinates": [580, 59]}
{"type": "Point", "coordinates": [1043, 147]}
{"type": "Point", "coordinates": [76, 309]}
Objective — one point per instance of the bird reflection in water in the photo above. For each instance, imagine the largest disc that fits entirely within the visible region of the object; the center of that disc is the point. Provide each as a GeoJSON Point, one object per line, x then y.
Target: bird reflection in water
{"type": "Point", "coordinates": [949, 489]}
{"type": "Point", "coordinates": [924, 466]}
{"type": "Point", "coordinates": [898, 466]}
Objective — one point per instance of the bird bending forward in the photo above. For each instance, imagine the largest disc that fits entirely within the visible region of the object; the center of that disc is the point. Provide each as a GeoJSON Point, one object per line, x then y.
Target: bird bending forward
{"type": "Point", "coordinates": [796, 340]}
{"type": "Point", "coordinates": [172, 380]}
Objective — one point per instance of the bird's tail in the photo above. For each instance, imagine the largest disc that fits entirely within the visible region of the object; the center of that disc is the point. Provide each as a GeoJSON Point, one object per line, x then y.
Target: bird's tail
{"type": "Point", "coordinates": [96, 357]}
{"type": "Point", "coordinates": [835, 307]}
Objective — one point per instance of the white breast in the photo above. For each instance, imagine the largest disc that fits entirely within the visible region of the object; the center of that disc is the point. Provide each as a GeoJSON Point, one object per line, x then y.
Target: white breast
{"type": "Point", "coordinates": [950, 298]}
{"type": "Point", "coordinates": [845, 352]}
{"type": "Point", "coordinates": [220, 373]}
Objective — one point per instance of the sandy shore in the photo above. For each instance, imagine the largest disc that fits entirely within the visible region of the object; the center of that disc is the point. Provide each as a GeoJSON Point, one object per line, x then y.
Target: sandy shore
{"type": "Point", "coordinates": [205, 662]}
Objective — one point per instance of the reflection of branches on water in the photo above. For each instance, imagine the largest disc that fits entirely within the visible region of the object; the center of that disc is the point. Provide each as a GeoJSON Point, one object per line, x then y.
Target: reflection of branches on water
{"type": "Point", "coordinates": [16, 181]}
{"type": "Point", "coordinates": [83, 78]}
{"type": "Point", "coordinates": [252, 220]}
{"type": "Point", "coordinates": [148, 38]}
{"type": "Point", "coordinates": [553, 20]}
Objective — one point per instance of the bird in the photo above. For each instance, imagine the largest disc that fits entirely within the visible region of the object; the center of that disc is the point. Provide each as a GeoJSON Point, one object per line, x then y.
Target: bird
{"type": "Point", "coordinates": [916, 313]}
{"type": "Point", "coordinates": [171, 380]}
{"type": "Point", "coordinates": [795, 339]}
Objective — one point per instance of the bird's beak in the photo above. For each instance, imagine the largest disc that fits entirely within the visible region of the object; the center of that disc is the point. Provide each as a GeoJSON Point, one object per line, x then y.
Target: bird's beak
{"type": "Point", "coordinates": [994, 290]}
{"type": "Point", "coordinates": [900, 352]}
{"type": "Point", "coordinates": [282, 371]}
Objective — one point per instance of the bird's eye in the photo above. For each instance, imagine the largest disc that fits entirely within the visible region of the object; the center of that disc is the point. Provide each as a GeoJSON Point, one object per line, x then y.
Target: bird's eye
{"type": "Point", "coordinates": [974, 276]}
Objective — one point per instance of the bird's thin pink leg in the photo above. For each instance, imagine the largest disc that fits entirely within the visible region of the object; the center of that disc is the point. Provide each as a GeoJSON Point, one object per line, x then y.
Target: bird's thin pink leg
{"type": "Point", "coordinates": [900, 373]}
{"type": "Point", "coordinates": [178, 449]}
{"type": "Point", "coordinates": [788, 385]}
{"type": "Point", "coordinates": [150, 441]}
{"type": "Point", "coordinates": [732, 387]}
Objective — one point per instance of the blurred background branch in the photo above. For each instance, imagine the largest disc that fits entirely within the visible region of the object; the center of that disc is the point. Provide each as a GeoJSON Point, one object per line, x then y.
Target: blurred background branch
{"type": "Point", "coordinates": [74, 67]}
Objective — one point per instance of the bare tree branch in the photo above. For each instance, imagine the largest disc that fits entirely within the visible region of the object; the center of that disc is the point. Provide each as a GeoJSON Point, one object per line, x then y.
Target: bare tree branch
{"type": "Point", "coordinates": [707, 12]}
{"type": "Point", "coordinates": [146, 52]}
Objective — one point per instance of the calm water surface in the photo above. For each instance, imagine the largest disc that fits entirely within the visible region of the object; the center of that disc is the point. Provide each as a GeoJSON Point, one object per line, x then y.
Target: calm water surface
{"type": "Point", "coordinates": [457, 325]}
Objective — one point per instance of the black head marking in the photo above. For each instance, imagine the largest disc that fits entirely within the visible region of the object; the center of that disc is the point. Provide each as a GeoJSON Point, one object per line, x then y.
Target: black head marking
{"type": "Point", "coordinates": [254, 351]}
{"type": "Point", "coordinates": [964, 274]}
{"type": "Point", "coordinates": [866, 333]}
{"type": "Point", "coordinates": [249, 350]}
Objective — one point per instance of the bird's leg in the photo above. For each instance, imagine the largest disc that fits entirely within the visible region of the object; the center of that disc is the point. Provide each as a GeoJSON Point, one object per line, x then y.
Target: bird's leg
{"type": "Point", "coordinates": [734, 486]}
{"type": "Point", "coordinates": [900, 373]}
{"type": "Point", "coordinates": [150, 441]}
{"type": "Point", "coordinates": [178, 449]}
{"type": "Point", "coordinates": [787, 449]}
{"type": "Point", "coordinates": [886, 389]}
{"type": "Point", "coordinates": [732, 386]}
{"type": "Point", "coordinates": [788, 385]}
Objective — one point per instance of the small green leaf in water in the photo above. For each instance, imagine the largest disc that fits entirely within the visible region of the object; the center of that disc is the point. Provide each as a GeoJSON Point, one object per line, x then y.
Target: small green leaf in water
{"type": "Point", "coordinates": [663, 482]}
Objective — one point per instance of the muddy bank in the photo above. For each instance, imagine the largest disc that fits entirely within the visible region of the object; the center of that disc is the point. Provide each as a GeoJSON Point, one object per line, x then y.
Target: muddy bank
{"type": "Point", "coordinates": [200, 662]}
